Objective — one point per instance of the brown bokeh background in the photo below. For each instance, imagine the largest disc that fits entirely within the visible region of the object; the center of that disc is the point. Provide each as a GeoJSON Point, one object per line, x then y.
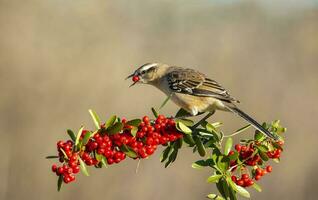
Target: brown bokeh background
{"type": "Point", "coordinates": [59, 58]}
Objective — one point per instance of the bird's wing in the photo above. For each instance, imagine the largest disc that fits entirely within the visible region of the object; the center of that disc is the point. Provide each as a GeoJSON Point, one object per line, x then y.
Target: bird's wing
{"type": "Point", "coordinates": [189, 81]}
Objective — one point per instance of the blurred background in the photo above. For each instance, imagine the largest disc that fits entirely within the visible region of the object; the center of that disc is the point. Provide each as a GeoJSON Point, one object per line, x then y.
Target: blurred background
{"type": "Point", "coordinates": [58, 58]}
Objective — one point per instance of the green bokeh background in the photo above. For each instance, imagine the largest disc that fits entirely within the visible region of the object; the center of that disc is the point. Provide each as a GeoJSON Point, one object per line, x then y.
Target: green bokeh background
{"type": "Point", "coordinates": [58, 58]}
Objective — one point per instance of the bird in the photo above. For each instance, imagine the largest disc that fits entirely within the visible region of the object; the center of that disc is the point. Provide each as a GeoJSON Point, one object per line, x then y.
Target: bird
{"type": "Point", "coordinates": [192, 90]}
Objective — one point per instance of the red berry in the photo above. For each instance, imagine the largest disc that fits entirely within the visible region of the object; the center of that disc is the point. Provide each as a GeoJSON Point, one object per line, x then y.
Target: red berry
{"type": "Point", "coordinates": [108, 154]}
{"type": "Point", "coordinates": [234, 179]}
{"type": "Point", "coordinates": [100, 151]}
{"type": "Point", "coordinates": [144, 129]}
{"type": "Point", "coordinates": [258, 171]}
{"type": "Point", "coordinates": [123, 156]}
{"type": "Point", "coordinates": [73, 157]}
{"type": "Point", "coordinates": [149, 141]}
{"type": "Point", "coordinates": [89, 162]}
{"type": "Point", "coordinates": [69, 170]}
{"type": "Point", "coordinates": [258, 177]}
{"type": "Point", "coordinates": [124, 120]}
{"type": "Point", "coordinates": [245, 176]}
{"type": "Point", "coordinates": [60, 144]}
{"type": "Point", "coordinates": [110, 161]}
{"type": "Point", "coordinates": [238, 147]}
{"type": "Point", "coordinates": [67, 179]}
{"type": "Point", "coordinates": [135, 78]}
{"type": "Point", "coordinates": [54, 168]}
{"type": "Point", "coordinates": [60, 170]}
{"type": "Point", "coordinates": [161, 117]}
{"type": "Point", "coordinates": [157, 127]}
{"type": "Point", "coordinates": [248, 182]}
{"type": "Point", "coordinates": [76, 169]}
{"type": "Point", "coordinates": [65, 168]}
{"type": "Point", "coordinates": [280, 143]}
{"type": "Point", "coordinates": [117, 155]}
{"type": "Point", "coordinates": [269, 168]}
{"type": "Point", "coordinates": [85, 156]}
{"type": "Point", "coordinates": [149, 150]}
{"type": "Point", "coordinates": [243, 148]}
{"type": "Point", "coordinates": [240, 182]}
{"type": "Point", "coordinates": [145, 119]}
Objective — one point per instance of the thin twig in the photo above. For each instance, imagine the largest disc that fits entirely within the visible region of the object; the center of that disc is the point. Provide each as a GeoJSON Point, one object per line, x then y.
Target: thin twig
{"type": "Point", "coordinates": [203, 120]}
{"type": "Point", "coordinates": [137, 167]}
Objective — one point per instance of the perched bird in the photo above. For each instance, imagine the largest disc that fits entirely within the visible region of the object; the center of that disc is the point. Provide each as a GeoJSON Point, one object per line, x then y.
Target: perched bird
{"type": "Point", "coordinates": [191, 90]}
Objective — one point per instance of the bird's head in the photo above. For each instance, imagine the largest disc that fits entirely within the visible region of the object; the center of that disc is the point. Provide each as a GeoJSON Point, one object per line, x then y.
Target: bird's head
{"type": "Point", "coordinates": [146, 73]}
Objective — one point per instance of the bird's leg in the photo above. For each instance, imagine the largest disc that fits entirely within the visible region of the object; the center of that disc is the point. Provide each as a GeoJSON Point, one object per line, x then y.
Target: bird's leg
{"type": "Point", "coordinates": [203, 119]}
{"type": "Point", "coordinates": [184, 114]}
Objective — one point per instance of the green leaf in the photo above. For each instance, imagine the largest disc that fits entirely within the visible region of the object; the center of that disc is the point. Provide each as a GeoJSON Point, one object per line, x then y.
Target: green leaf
{"type": "Point", "coordinates": [134, 122]}
{"type": "Point", "coordinates": [116, 128]}
{"type": "Point", "coordinates": [186, 122]}
{"type": "Point", "coordinates": [83, 167]}
{"type": "Point", "coordinates": [134, 131]}
{"type": "Point", "coordinates": [200, 146]}
{"type": "Point", "coordinates": [257, 187]}
{"type": "Point", "coordinates": [98, 157]}
{"type": "Point", "coordinates": [196, 166]}
{"type": "Point", "coordinates": [219, 186]}
{"type": "Point", "coordinates": [214, 178]}
{"type": "Point", "coordinates": [212, 129]}
{"type": "Point", "coordinates": [183, 128]}
{"type": "Point", "coordinates": [165, 101]}
{"type": "Point", "coordinates": [228, 146]}
{"type": "Point", "coordinates": [233, 195]}
{"type": "Point", "coordinates": [103, 161]}
{"type": "Point", "coordinates": [95, 118]}
{"type": "Point", "coordinates": [217, 124]}
{"type": "Point", "coordinates": [262, 148]}
{"type": "Point", "coordinates": [86, 137]}
{"type": "Point", "coordinates": [155, 113]}
{"type": "Point", "coordinates": [223, 163]}
{"type": "Point", "coordinates": [276, 160]}
{"type": "Point", "coordinates": [110, 121]}
{"type": "Point", "coordinates": [234, 156]}
{"type": "Point", "coordinates": [78, 136]}
{"type": "Point", "coordinates": [182, 113]}
{"type": "Point", "coordinates": [178, 143]}
{"type": "Point", "coordinates": [51, 157]}
{"type": "Point", "coordinates": [243, 192]}
{"type": "Point", "coordinates": [225, 187]}
{"type": "Point", "coordinates": [71, 134]}
{"type": "Point", "coordinates": [263, 156]}
{"type": "Point", "coordinates": [59, 182]}
{"type": "Point", "coordinates": [165, 153]}
{"type": "Point", "coordinates": [215, 197]}
{"type": "Point", "coordinates": [259, 136]}
{"type": "Point", "coordinates": [276, 145]}
{"type": "Point", "coordinates": [172, 157]}
{"type": "Point", "coordinates": [128, 151]}
{"type": "Point", "coordinates": [244, 128]}
{"type": "Point", "coordinates": [189, 140]}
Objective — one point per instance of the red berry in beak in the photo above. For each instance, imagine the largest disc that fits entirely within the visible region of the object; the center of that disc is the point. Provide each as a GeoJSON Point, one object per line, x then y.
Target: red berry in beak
{"type": "Point", "coordinates": [135, 79]}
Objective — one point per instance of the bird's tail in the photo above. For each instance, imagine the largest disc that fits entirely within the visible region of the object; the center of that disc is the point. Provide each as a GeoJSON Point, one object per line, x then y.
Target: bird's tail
{"type": "Point", "coordinates": [252, 122]}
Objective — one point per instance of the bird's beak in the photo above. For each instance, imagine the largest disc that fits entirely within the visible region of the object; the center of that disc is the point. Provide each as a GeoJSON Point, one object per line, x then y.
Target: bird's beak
{"type": "Point", "coordinates": [134, 83]}
{"type": "Point", "coordinates": [130, 76]}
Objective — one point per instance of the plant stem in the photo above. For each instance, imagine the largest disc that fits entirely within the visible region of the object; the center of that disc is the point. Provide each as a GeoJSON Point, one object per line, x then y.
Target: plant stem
{"type": "Point", "coordinates": [203, 120]}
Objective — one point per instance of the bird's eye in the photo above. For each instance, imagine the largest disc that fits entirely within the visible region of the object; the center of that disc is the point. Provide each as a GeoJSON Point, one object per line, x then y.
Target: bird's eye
{"type": "Point", "coordinates": [143, 72]}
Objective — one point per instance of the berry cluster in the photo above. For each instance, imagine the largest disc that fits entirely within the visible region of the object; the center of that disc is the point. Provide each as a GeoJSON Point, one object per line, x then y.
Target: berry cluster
{"type": "Point", "coordinates": [69, 168]}
{"type": "Point", "coordinates": [251, 155]}
{"type": "Point", "coordinates": [113, 148]}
